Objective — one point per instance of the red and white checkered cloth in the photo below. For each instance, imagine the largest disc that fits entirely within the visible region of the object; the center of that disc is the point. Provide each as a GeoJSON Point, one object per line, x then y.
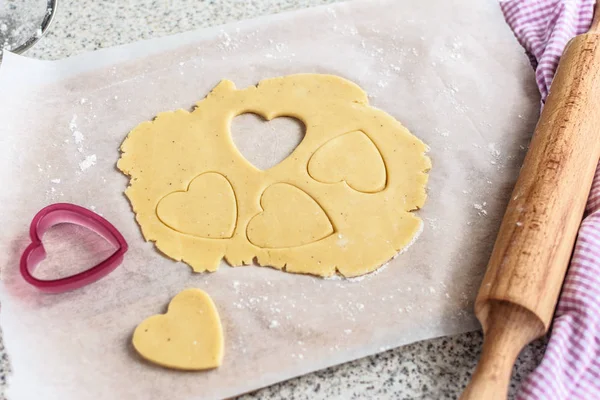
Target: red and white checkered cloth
{"type": "Point", "coordinates": [570, 368]}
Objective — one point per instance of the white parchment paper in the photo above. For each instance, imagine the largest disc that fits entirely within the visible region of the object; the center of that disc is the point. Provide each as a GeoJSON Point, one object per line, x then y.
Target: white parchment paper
{"type": "Point", "coordinates": [450, 71]}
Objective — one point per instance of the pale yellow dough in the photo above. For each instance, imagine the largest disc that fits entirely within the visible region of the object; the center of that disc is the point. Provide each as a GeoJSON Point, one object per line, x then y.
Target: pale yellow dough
{"type": "Point", "coordinates": [352, 158]}
{"type": "Point", "coordinates": [188, 337]}
{"type": "Point", "coordinates": [341, 201]}
{"type": "Point", "coordinates": [193, 211]}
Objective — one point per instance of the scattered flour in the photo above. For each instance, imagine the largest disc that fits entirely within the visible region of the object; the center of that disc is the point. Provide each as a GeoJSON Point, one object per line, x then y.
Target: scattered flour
{"type": "Point", "coordinates": [342, 241]}
{"type": "Point", "coordinates": [78, 137]}
{"type": "Point", "coordinates": [227, 42]}
{"type": "Point", "coordinates": [88, 162]}
{"type": "Point", "coordinates": [432, 223]}
{"type": "Point", "coordinates": [274, 324]}
{"type": "Point", "coordinates": [493, 150]}
{"type": "Point", "coordinates": [480, 208]}
{"type": "Point", "coordinates": [73, 123]}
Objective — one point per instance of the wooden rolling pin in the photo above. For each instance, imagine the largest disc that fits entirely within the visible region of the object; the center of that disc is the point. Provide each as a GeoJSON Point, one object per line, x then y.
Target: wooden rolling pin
{"type": "Point", "coordinates": [520, 289]}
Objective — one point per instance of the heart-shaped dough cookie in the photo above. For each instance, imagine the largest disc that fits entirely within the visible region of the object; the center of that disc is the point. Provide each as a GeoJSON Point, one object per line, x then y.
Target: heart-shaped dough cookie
{"type": "Point", "coordinates": [207, 209]}
{"type": "Point", "coordinates": [188, 337]}
{"type": "Point", "coordinates": [353, 158]}
{"type": "Point", "coordinates": [290, 218]}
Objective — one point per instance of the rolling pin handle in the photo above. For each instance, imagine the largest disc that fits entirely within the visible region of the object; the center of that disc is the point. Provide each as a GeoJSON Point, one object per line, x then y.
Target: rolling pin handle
{"type": "Point", "coordinates": [507, 329]}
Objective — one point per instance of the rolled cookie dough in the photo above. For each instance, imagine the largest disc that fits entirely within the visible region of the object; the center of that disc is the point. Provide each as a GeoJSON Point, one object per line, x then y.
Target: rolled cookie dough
{"type": "Point", "coordinates": [341, 202]}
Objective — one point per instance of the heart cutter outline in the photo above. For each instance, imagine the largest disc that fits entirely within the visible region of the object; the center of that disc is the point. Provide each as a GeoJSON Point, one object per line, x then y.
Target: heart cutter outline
{"type": "Point", "coordinates": [35, 252]}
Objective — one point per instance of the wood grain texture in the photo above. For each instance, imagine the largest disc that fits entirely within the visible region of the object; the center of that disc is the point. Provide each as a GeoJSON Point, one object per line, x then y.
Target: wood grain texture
{"type": "Point", "coordinates": [538, 232]}
{"type": "Point", "coordinates": [507, 329]}
{"type": "Point", "coordinates": [594, 28]}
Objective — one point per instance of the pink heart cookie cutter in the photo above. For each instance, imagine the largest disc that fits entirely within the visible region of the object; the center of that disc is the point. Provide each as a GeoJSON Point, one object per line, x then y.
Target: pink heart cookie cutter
{"type": "Point", "coordinates": [69, 213]}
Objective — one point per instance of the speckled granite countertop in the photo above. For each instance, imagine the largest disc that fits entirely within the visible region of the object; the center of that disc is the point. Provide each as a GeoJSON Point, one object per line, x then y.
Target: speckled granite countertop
{"type": "Point", "coordinates": [433, 369]}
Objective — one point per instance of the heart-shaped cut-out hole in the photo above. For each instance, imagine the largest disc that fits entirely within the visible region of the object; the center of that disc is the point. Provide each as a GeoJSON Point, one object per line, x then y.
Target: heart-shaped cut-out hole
{"type": "Point", "coordinates": [266, 143]}
{"type": "Point", "coordinates": [188, 337]}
